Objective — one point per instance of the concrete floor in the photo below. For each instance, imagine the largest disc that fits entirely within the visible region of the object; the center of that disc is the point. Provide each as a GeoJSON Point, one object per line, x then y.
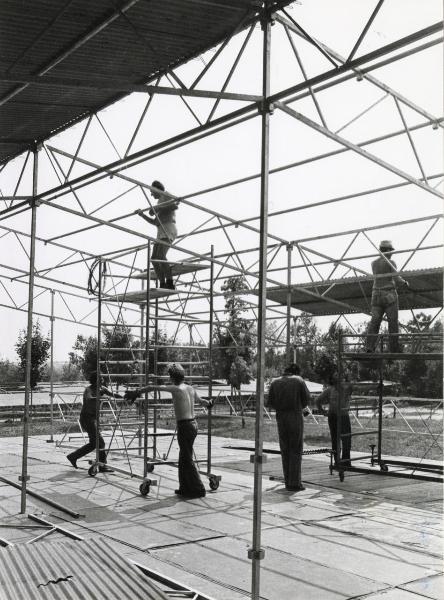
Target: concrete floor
{"type": "Point", "coordinates": [372, 537]}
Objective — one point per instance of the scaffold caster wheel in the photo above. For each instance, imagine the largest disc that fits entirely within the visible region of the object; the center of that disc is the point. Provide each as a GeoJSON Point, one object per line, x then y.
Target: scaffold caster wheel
{"type": "Point", "coordinates": [150, 468]}
{"type": "Point", "coordinates": [383, 467]}
{"type": "Point", "coordinates": [214, 482]}
{"type": "Point", "coordinates": [341, 475]}
{"type": "Point", "coordinates": [93, 470]}
{"type": "Point", "coordinates": [144, 487]}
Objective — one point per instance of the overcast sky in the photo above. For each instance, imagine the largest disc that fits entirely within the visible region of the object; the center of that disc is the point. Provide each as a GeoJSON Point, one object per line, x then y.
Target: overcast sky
{"type": "Point", "coordinates": [235, 153]}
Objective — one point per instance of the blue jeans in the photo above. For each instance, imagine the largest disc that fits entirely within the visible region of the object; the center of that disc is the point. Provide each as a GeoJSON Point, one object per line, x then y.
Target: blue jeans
{"type": "Point", "coordinates": [383, 302]}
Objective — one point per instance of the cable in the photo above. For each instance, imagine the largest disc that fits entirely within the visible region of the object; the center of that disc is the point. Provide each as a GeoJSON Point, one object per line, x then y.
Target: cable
{"type": "Point", "coordinates": [93, 284]}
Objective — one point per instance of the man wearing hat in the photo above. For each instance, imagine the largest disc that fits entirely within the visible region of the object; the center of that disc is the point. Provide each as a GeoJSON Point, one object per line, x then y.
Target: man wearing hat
{"type": "Point", "coordinates": [164, 213]}
{"type": "Point", "coordinates": [385, 298]}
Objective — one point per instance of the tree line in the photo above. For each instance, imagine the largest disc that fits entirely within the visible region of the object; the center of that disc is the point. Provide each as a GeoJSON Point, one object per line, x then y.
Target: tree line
{"type": "Point", "coordinates": [234, 353]}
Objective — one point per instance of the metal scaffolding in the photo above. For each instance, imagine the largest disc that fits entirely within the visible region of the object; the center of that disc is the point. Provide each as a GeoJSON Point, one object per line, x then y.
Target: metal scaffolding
{"type": "Point", "coordinates": [277, 268]}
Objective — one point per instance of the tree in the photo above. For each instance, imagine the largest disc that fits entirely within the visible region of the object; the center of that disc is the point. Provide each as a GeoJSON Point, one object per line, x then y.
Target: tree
{"type": "Point", "coordinates": [40, 347]}
{"type": "Point", "coordinates": [10, 374]}
{"type": "Point", "coordinates": [275, 358]}
{"type": "Point", "coordinates": [419, 377]}
{"type": "Point", "coordinates": [307, 337]}
{"type": "Point", "coordinates": [115, 342]}
{"type": "Point", "coordinates": [234, 338]}
{"type": "Point", "coordinates": [84, 355]}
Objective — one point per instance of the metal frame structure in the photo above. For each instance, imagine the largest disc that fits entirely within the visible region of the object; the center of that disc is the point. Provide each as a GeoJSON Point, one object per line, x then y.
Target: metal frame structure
{"type": "Point", "coordinates": [261, 273]}
{"type": "Point", "coordinates": [349, 350]}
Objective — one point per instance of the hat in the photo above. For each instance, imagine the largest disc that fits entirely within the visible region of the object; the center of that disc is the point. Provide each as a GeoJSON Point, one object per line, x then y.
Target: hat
{"type": "Point", "coordinates": [386, 245]}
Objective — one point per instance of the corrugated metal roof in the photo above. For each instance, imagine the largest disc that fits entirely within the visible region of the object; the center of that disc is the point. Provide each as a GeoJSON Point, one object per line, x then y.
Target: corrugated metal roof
{"type": "Point", "coordinates": [141, 38]}
{"type": "Point", "coordinates": [71, 570]}
{"type": "Point", "coordinates": [426, 287]}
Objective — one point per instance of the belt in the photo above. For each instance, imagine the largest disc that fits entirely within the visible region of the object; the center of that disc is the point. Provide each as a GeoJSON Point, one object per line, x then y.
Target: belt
{"type": "Point", "coordinates": [186, 420]}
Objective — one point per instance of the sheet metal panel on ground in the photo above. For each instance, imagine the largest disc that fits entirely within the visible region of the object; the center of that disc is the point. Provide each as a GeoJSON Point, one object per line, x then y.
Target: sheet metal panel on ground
{"type": "Point", "coordinates": [72, 569]}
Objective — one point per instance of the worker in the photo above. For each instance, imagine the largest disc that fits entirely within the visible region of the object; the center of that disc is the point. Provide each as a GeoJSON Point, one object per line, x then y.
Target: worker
{"type": "Point", "coordinates": [88, 422]}
{"type": "Point", "coordinates": [289, 396]}
{"type": "Point", "coordinates": [385, 298]}
{"type": "Point", "coordinates": [164, 213]}
{"type": "Point", "coordinates": [184, 397]}
{"type": "Point", "coordinates": [339, 432]}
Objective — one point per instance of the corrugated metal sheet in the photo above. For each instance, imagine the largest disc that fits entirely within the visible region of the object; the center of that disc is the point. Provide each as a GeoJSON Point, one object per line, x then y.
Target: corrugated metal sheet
{"type": "Point", "coordinates": [153, 35]}
{"type": "Point", "coordinates": [426, 288]}
{"type": "Point", "coordinates": [71, 570]}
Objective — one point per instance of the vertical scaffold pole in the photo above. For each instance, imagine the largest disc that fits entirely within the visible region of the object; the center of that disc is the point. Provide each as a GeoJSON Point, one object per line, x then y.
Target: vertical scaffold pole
{"type": "Point", "coordinates": [288, 341]}
{"type": "Point", "coordinates": [142, 345]}
{"type": "Point", "coordinates": [24, 477]}
{"type": "Point", "coordinates": [380, 400]}
{"type": "Point", "coordinates": [256, 553]}
{"type": "Point", "coordinates": [155, 371]}
{"type": "Point", "coordinates": [210, 362]}
{"type": "Point", "coordinates": [147, 358]}
{"type": "Point", "coordinates": [339, 440]}
{"type": "Point", "coordinates": [51, 372]}
{"type": "Point", "coordinates": [99, 351]}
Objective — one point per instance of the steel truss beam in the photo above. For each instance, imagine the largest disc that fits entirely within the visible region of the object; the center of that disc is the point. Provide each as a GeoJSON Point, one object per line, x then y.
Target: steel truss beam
{"type": "Point", "coordinates": [228, 120]}
{"type": "Point", "coordinates": [372, 157]}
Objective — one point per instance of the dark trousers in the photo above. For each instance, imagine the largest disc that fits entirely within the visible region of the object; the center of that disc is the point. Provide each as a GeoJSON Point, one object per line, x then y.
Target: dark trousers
{"type": "Point", "coordinates": [344, 442]}
{"type": "Point", "coordinates": [189, 478]}
{"type": "Point", "coordinates": [89, 425]}
{"type": "Point", "coordinates": [162, 270]}
{"type": "Point", "coordinates": [384, 301]}
{"type": "Point", "coordinates": [291, 441]}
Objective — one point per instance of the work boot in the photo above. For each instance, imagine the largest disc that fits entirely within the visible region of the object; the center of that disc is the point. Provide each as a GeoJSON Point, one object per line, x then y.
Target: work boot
{"type": "Point", "coordinates": [170, 285]}
{"type": "Point", "coordinates": [73, 461]}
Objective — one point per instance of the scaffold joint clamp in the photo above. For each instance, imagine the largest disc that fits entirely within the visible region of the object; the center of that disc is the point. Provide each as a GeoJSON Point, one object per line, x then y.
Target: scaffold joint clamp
{"type": "Point", "coordinates": [256, 554]}
{"type": "Point", "coordinates": [262, 458]}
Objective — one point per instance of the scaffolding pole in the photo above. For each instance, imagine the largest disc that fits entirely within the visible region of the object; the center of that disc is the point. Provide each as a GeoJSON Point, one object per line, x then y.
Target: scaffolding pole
{"type": "Point", "coordinates": [256, 553]}
{"type": "Point", "coordinates": [24, 477]}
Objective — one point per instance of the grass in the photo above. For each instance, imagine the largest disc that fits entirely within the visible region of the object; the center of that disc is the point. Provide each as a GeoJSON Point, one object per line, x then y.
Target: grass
{"type": "Point", "coordinates": [397, 440]}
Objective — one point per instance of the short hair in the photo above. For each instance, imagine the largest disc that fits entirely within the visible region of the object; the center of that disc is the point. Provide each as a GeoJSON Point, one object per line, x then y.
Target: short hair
{"type": "Point", "coordinates": [176, 372]}
{"type": "Point", "coordinates": [93, 377]}
{"type": "Point", "coordinates": [292, 369]}
{"type": "Point", "coordinates": [159, 185]}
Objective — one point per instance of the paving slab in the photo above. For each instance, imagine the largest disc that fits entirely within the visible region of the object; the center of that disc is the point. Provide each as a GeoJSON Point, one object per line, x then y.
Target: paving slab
{"type": "Point", "coordinates": [393, 594]}
{"type": "Point", "coordinates": [334, 540]}
{"type": "Point", "coordinates": [282, 575]}
{"type": "Point", "coordinates": [429, 587]}
{"type": "Point", "coordinates": [394, 534]}
{"type": "Point", "coordinates": [311, 544]}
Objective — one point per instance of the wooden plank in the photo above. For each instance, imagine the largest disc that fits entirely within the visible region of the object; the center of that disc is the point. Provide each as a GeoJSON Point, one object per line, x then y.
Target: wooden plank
{"type": "Point", "coordinates": [139, 296]}
{"type": "Point", "coordinates": [176, 269]}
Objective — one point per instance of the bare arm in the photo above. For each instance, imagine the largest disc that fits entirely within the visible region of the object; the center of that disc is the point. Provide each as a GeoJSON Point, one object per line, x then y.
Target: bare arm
{"type": "Point", "coordinates": [107, 392]}
{"type": "Point", "coordinates": [322, 398]}
{"type": "Point", "coordinates": [197, 398]}
{"type": "Point", "coordinates": [398, 278]}
{"type": "Point", "coordinates": [146, 218]}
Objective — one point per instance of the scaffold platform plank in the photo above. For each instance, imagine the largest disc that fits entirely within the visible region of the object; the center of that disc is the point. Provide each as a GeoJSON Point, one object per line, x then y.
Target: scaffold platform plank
{"type": "Point", "coordinates": [177, 268]}
{"type": "Point", "coordinates": [139, 296]}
